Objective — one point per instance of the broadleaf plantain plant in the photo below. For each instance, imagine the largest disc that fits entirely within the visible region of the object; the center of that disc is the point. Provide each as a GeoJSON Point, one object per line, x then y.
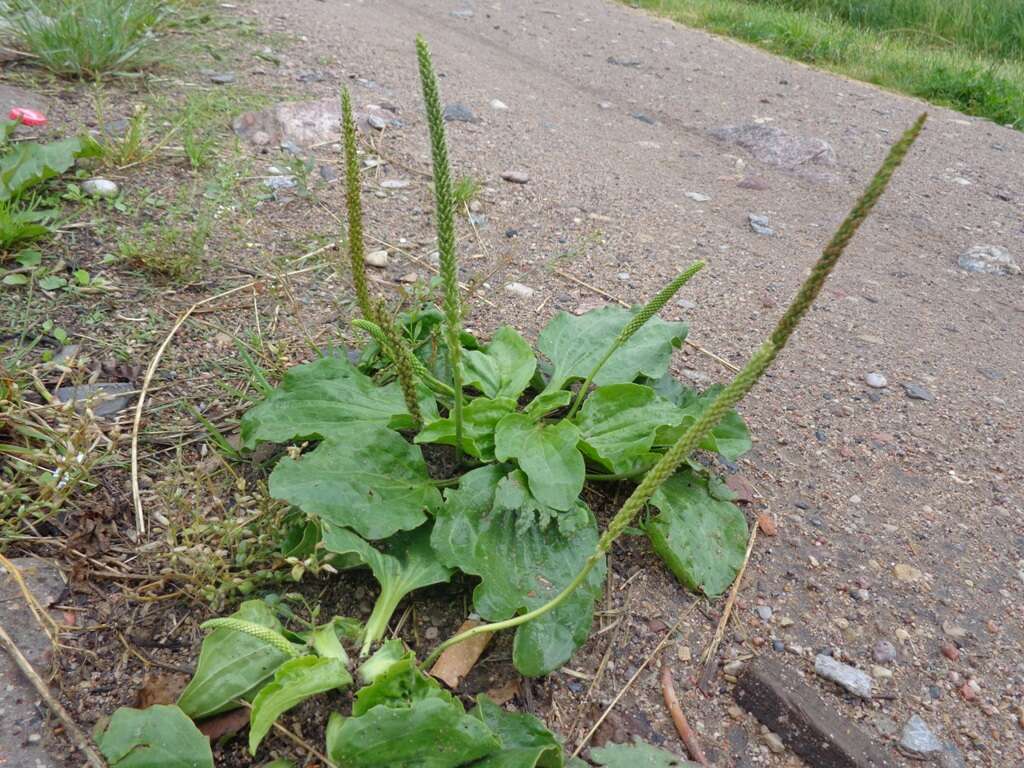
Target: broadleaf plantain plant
{"type": "Point", "coordinates": [517, 520]}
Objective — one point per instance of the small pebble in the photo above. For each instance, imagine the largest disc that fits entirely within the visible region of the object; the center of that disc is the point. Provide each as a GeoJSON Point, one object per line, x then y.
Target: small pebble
{"type": "Point", "coordinates": [431, 633]}
{"type": "Point", "coordinates": [498, 104]}
{"type": "Point", "coordinates": [376, 122]}
{"type": "Point", "coordinates": [698, 197]}
{"type": "Point", "coordinates": [884, 652]}
{"type": "Point", "coordinates": [876, 380]}
{"type": "Point", "coordinates": [760, 224]}
{"type": "Point", "coordinates": [222, 78]}
{"type": "Point", "coordinates": [684, 653]}
{"type": "Point", "coordinates": [778, 645]}
{"type": "Point", "coordinates": [950, 651]}
{"type": "Point", "coordinates": [765, 612]}
{"type": "Point", "coordinates": [880, 673]}
{"type": "Point", "coordinates": [520, 290]}
{"type": "Point", "coordinates": [515, 177]}
{"type": "Point", "coordinates": [733, 667]}
{"type": "Point", "coordinates": [410, 277]}
{"type": "Point", "coordinates": [394, 184]}
{"type": "Point", "coordinates": [785, 621]}
{"type": "Point", "coordinates": [100, 188]}
{"type": "Point", "coordinates": [774, 743]}
{"type": "Point", "coordinates": [971, 690]}
{"type": "Point", "coordinates": [917, 392]}
{"type": "Point", "coordinates": [377, 258]}
{"type": "Point", "coordinates": [735, 712]}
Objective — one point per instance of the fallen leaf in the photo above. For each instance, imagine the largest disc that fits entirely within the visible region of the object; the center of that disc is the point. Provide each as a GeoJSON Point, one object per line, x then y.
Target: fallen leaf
{"type": "Point", "coordinates": [504, 693]}
{"type": "Point", "coordinates": [217, 727]}
{"type": "Point", "coordinates": [456, 661]}
{"type": "Point", "coordinates": [160, 689]}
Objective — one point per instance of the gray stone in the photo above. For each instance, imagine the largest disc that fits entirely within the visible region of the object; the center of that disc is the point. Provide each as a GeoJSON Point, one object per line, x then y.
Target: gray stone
{"type": "Point", "coordinates": [876, 380]}
{"type": "Point", "coordinates": [327, 173]}
{"type": "Point", "coordinates": [917, 392]}
{"type": "Point", "coordinates": [395, 183]}
{"type": "Point", "coordinates": [646, 119]}
{"type": "Point", "coordinates": [698, 197]}
{"type": "Point", "coordinates": [376, 122]}
{"type": "Point", "coordinates": [104, 399]}
{"type": "Point", "coordinates": [306, 122]}
{"type": "Point", "coordinates": [66, 355]}
{"type": "Point", "coordinates": [988, 260]}
{"type": "Point", "coordinates": [765, 612]}
{"type": "Point", "coordinates": [515, 177]}
{"type": "Point", "coordinates": [100, 188]}
{"type": "Point", "coordinates": [760, 224]}
{"type": "Point", "coordinates": [856, 681]}
{"type": "Point", "coordinates": [222, 78]}
{"type": "Point", "coordinates": [520, 290]}
{"type": "Point", "coordinates": [22, 740]}
{"type": "Point", "coordinates": [774, 146]}
{"type": "Point", "coordinates": [917, 738]}
{"type": "Point", "coordinates": [459, 113]}
{"type": "Point", "coordinates": [312, 76]}
{"type": "Point", "coordinates": [623, 62]}
{"type": "Point", "coordinates": [377, 258]}
{"type": "Point", "coordinates": [463, 13]}
{"type": "Point", "coordinates": [280, 182]}
{"type": "Point", "coordinates": [685, 304]}
{"type": "Point", "coordinates": [884, 652]}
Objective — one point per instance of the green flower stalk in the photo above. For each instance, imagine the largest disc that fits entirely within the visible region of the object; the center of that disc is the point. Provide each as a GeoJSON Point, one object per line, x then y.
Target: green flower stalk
{"type": "Point", "coordinates": [418, 368]}
{"type": "Point", "coordinates": [356, 252]}
{"type": "Point", "coordinates": [729, 396]}
{"type": "Point", "coordinates": [266, 634]}
{"type": "Point", "coordinates": [649, 310]}
{"type": "Point", "coordinates": [445, 215]}
{"type": "Point", "coordinates": [403, 358]}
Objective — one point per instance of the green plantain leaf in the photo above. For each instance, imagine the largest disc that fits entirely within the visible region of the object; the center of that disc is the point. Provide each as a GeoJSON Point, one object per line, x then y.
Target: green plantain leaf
{"type": "Point", "coordinates": [322, 399]}
{"type": "Point", "coordinates": [409, 564]}
{"type": "Point", "coordinates": [30, 163]}
{"type": "Point", "coordinates": [546, 402]}
{"type": "Point", "coordinates": [502, 368]}
{"type": "Point", "coordinates": [156, 737]}
{"type": "Point", "coordinates": [701, 539]}
{"type": "Point", "coordinates": [232, 665]}
{"type": "Point", "coordinates": [639, 754]}
{"type": "Point", "coordinates": [520, 571]}
{"type": "Point", "coordinates": [525, 742]}
{"type": "Point", "coordinates": [479, 418]}
{"type": "Point", "coordinates": [576, 344]}
{"type": "Point", "coordinates": [371, 480]}
{"type": "Point", "coordinates": [547, 453]}
{"type": "Point", "coordinates": [401, 685]}
{"type": "Point", "coordinates": [295, 681]}
{"type": "Point", "coordinates": [618, 422]}
{"type": "Point", "coordinates": [729, 437]}
{"type": "Point", "coordinates": [431, 733]}
{"type": "Point", "coordinates": [381, 661]}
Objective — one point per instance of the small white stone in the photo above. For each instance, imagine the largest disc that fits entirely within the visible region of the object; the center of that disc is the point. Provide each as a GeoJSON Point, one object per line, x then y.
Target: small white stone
{"type": "Point", "coordinates": [100, 188]}
{"type": "Point", "coordinates": [498, 104]}
{"type": "Point", "coordinates": [520, 290]}
{"type": "Point", "coordinates": [876, 380]}
{"type": "Point", "coordinates": [395, 184]}
{"type": "Point", "coordinates": [377, 258]}
{"type": "Point", "coordinates": [698, 197]}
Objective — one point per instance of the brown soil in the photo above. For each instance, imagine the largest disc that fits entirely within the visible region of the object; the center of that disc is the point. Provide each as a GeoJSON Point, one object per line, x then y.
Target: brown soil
{"type": "Point", "coordinates": [857, 480]}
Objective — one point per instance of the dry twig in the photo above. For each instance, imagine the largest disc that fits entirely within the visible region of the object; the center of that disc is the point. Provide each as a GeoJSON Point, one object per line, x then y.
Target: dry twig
{"type": "Point", "coordinates": [683, 728]}
{"type": "Point", "coordinates": [708, 657]}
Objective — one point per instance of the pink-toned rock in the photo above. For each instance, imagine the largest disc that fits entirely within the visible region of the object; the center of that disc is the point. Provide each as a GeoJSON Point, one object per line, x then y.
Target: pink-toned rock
{"type": "Point", "coordinates": [306, 123]}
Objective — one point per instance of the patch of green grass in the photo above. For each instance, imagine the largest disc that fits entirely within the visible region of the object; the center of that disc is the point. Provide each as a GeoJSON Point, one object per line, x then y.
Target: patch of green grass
{"type": "Point", "coordinates": [964, 54]}
{"type": "Point", "coordinates": [85, 38]}
{"type": "Point", "coordinates": [174, 250]}
{"type": "Point", "coordinates": [465, 190]}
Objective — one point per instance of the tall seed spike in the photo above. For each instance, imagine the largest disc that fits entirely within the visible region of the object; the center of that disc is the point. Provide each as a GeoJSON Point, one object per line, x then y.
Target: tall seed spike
{"type": "Point", "coordinates": [728, 397]}
{"type": "Point", "coordinates": [445, 215]}
{"type": "Point", "coordinates": [353, 201]}
{"type": "Point", "coordinates": [403, 359]}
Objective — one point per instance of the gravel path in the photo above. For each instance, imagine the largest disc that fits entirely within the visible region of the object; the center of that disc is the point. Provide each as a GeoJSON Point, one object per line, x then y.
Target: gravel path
{"type": "Point", "coordinates": [898, 506]}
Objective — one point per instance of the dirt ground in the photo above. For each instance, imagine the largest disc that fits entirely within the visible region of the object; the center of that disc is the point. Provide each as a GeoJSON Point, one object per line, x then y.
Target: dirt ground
{"type": "Point", "coordinates": [899, 518]}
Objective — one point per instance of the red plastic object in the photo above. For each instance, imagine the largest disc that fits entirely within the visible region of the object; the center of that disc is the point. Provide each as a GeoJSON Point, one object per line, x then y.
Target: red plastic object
{"type": "Point", "coordinates": [27, 116]}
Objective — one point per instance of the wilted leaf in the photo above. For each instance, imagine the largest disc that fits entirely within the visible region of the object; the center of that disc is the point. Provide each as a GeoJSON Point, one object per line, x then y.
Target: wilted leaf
{"type": "Point", "coordinates": [618, 422]}
{"type": "Point", "coordinates": [371, 480]}
{"type": "Point", "coordinates": [158, 737]}
{"type": "Point", "coordinates": [575, 345]}
{"type": "Point", "coordinates": [503, 368]}
{"type": "Point", "coordinates": [525, 742]}
{"type": "Point", "coordinates": [322, 399]}
{"type": "Point", "coordinates": [295, 681]}
{"type": "Point", "coordinates": [701, 539]}
{"type": "Point", "coordinates": [479, 419]}
{"type": "Point", "coordinates": [548, 455]}
{"type": "Point", "coordinates": [232, 665]}
{"type": "Point", "coordinates": [520, 570]}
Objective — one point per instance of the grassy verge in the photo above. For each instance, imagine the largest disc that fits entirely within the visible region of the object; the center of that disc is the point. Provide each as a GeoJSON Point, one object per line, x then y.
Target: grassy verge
{"type": "Point", "coordinates": [963, 54]}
